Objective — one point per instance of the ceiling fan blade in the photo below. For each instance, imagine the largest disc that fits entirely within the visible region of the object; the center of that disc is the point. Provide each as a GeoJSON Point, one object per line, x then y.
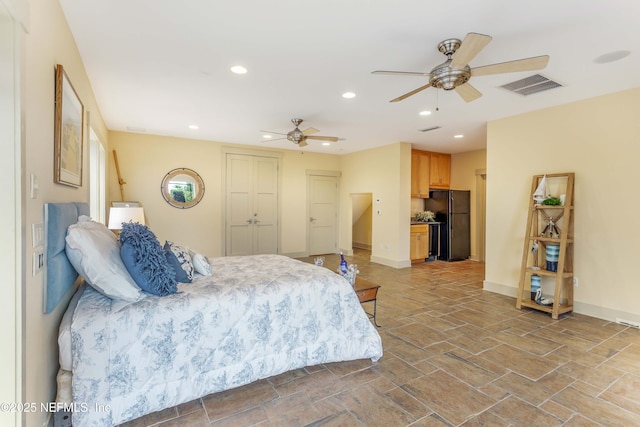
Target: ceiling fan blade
{"type": "Point", "coordinates": [413, 92]}
{"type": "Point", "coordinates": [271, 140]}
{"type": "Point", "coordinates": [471, 46]}
{"type": "Point", "coordinates": [468, 92]}
{"type": "Point", "coordinates": [324, 138]}
{"type": "Point", "coordinates": [526, 64]}
{"type": "Point", "coordinates": [268, 131]}
{"type": "Point", "coordinates": [402, 73]}
{"type": "Point", "coordinates": [310, 131]}
{"type": "Point", "coordinates": [302, 143]}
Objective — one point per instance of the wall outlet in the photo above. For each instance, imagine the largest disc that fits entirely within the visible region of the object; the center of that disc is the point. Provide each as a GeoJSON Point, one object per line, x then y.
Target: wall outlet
{"type": "Point", "coordinates": [575, 282]}
{"type": "Point", "coordinates": [38, 261]}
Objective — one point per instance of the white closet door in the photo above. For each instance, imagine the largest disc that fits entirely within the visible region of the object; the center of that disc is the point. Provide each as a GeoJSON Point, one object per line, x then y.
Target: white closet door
{"type": "Point", "coordinates": [251, 205]}
{"type": "Point", "coordinates": [265, 203]}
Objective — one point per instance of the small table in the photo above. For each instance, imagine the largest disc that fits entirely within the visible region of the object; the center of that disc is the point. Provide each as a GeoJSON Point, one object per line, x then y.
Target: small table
{"type": "Point", "coordinates": [367, 292]}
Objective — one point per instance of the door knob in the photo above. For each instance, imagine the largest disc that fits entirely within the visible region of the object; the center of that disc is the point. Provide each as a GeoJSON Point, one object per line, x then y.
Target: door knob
{"type": "Point", "coordinates": [311, 219]}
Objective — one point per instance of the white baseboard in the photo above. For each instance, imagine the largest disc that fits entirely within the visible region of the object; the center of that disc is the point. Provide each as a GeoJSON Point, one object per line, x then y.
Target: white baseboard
{"type": "Point", "coordinates": [596, 311]}
{"type": "Point", "coordinates": [296, 254]}
{"type": "Point", "coordinates": [365, 246]}
{"type": "Point", "coordinates": [390, 262]}
{"type": "Point", "coordinates": [497, 288]}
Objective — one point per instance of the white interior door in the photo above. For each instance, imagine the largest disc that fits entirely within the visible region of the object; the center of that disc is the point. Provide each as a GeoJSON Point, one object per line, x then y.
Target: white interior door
{"type": "Point", "coordinates": [323, 214]}
{"type": "Point", "coordinates": [251, 205]}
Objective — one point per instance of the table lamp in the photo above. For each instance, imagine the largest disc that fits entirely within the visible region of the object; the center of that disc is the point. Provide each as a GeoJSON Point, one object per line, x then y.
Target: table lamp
{"type": "Point", "coordinates": [124, 214]}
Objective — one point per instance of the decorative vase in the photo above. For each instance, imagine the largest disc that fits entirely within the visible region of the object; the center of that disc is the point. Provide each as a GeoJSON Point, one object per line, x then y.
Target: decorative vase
{"type": "Point", "coordinates": [535, 287]}
{"type": "Point", "coordinates": [551, 254]}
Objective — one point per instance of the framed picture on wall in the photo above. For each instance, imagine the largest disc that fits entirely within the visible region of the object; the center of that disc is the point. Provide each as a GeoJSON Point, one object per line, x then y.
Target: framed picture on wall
{"type": "Point", "coordinates": [68, 128]}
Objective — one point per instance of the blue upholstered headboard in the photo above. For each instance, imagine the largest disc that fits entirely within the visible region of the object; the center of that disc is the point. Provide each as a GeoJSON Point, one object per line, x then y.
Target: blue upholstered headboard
{"type": "Point", "coordinates": [59, 274]}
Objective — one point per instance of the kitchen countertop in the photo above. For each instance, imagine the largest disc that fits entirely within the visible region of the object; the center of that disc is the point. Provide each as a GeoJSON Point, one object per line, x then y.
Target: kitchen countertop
{"type": "Point", "coordinates": [424, 222]}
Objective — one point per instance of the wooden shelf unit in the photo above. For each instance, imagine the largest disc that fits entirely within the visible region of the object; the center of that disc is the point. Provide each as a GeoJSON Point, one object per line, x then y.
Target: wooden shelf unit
{"type": "Point", "coordinates": [536, 221]}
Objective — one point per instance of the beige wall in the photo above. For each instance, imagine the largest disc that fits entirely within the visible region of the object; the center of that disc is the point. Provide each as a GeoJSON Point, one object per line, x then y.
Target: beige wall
{"type": "Point", "coordinates": [145, 159]}
{"type": "Point", "coordinates": [598, 140]}
{"type": "Point", "coordinates": [465, 169]}
{"type": "Point", "coordinates": [385, 172]}
{"type": "Point", "coordinates": [48, 43]}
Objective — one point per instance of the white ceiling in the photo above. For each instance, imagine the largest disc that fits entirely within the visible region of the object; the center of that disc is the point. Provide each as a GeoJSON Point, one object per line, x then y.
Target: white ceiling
{"type": "Point", "coordinates": [158, 66]}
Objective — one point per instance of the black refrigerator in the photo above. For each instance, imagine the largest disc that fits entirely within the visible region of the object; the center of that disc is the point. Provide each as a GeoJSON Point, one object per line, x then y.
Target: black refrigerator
{"type": "Point", "coordinates": [452, 209]}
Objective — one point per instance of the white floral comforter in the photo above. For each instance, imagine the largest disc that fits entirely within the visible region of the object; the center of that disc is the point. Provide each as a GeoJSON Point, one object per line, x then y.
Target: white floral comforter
{"type": "Point", "coordinates": [257, 316]}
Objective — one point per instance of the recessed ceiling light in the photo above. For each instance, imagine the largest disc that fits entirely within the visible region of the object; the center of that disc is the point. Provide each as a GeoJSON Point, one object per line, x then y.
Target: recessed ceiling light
{"type": "Point", "coordinates": [425, 113]}
{"type": "Point", "coordinates": [348, 95]}
{"type": "Point", "coordinates": [458, 136]}
{"type": "Point", "coordinates": [326, 143]}
{"type": "Point", "coordinates": [266, 136]}
{"type": "Point", "coordinates": [194, 127]}
{"type": "Point", "coordinates": [238, 69]}
{"type": "Point", "coordinates": [612, 56]}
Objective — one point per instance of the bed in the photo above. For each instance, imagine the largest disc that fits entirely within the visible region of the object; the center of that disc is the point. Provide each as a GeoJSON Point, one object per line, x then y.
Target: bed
{"type": "Point", "coordinates": [254, 317]}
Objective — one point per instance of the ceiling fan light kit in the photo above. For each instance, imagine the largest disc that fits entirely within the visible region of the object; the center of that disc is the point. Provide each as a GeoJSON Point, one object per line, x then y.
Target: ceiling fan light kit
{"type": "Point", "coordinates": [300, 137]}
{"type": "Point", "coordinates": [455, 72]}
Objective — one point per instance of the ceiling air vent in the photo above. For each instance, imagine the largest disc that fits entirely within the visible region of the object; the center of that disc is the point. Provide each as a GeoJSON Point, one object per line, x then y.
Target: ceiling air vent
{"type": "Point", "coordinates": [529, 85]}
{"type": "Point", "coordinates": [428, 129]}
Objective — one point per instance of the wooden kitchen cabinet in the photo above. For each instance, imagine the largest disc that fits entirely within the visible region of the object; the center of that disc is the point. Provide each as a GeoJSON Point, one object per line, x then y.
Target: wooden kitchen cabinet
{"type": "Point", "coordinates": [419, 243]}
{"type": "Point", "coordinates": [420, 165]}
{"type": "Point", "coordinates": [429, 170]}
{"type": "Point", "coordinates": [440, 170]}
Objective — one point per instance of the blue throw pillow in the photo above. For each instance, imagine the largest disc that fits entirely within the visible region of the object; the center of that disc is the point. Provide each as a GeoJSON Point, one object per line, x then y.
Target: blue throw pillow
{"type": "Point", "coordinates": [144, 259]}
{"type": "Point", "coordinates": [179, 258]}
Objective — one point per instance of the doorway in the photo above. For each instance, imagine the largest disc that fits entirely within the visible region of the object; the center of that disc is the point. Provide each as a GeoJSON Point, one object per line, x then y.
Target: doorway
{"type": "Point", "coordinates": [322, 205]}
{"type": "Point", "coordinates": [362, 220]}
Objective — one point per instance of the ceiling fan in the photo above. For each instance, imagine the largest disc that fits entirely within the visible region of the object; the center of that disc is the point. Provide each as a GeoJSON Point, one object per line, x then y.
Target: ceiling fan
{"type": "Point", "coordinates": [300, 137]}
{"type": "Point", "coordinates": [455, 72]}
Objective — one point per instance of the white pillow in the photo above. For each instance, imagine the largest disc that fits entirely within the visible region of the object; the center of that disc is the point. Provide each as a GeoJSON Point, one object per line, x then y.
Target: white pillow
{"type": "Point", "coordinates": [94, 252]}
{"type": "Point", "coordinates": [64, 332]}
{"type": "Point", "coordinates": [200, 263]}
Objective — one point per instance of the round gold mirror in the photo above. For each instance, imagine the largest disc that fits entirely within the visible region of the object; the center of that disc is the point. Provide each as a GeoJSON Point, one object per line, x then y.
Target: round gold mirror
{"type": "Point", "coordinates": [182, 188]}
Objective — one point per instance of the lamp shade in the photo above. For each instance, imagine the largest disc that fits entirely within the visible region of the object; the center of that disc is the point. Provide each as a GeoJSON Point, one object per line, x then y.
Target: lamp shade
{"type": "Point", "coordinates": [119, 215]}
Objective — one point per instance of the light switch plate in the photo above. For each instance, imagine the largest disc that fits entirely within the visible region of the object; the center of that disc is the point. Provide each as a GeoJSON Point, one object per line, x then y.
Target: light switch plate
{"type": "Point", "coordinates": [37, 235]}
{"type": "Point", "coordinates": [33, 187]}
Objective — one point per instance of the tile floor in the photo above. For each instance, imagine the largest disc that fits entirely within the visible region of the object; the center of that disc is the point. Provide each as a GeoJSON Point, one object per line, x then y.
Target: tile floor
{"type": "Point", "coordinates": [454, 356]}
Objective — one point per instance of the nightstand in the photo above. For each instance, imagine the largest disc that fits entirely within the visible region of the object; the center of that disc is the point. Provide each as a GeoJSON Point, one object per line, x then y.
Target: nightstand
{"type": "Point", "coordinates": [367, 292]}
